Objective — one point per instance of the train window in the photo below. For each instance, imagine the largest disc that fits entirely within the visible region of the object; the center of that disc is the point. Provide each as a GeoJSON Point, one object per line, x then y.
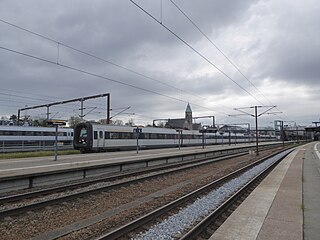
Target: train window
{"type": "Point", "coordinates": [153, 136]}
{"type": "Point", "coordinates": [172, 136]}
{"type": "Point", "coordinates": [146, 135]}
{"type": "Point", "coordinates": [114, 135]}
{"type": "Point", "coordinates": [95, 135]}
{"type": "Point", "coordinates": [65, 134]}
{"type": "Point", "coordinates": [83, 133]}
{"type": "Point", "coordinates": [189, 136]}
{"type": "Point", "coordinates": [100, 134]}
{"type": "Point", "coordinates": [71, 134]}
{"type": "Point", "coordinates": [29, 133]}
{"type": "Point", "coordinates": [127, 135]}
{"type": "Point", "coordinates": [161, 136]}
{"type": "Point", "coordinates": [106, 135]}
{"type": "Point", "coordinates": [142, 135]}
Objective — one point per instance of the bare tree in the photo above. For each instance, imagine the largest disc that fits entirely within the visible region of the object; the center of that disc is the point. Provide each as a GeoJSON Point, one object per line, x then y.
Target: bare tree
{"type": "Point", "coordinates": [130, 122]}
{"type": "Point", "coordinates": [118, 122]}
{"type": "Point", "coordinates": [74, 120]}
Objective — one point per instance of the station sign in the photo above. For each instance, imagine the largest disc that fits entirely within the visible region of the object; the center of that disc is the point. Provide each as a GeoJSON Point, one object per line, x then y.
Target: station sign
{"type": "Point", "coordinates": [55, 122]}
{"type": "Point", "coordinates": [137, 130]}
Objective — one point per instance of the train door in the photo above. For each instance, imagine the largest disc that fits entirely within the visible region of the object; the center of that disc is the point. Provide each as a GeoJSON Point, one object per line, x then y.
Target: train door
{"type": "Point", "coordinates": [100, 142]}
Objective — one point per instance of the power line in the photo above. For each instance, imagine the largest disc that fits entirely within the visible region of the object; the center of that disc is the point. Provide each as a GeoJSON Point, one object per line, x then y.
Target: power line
{"type": "Point", "coordinates": [102, 77]}
{"type": "Point", "coordinates": [207, 37]}
{"type": "Point", "coordinates": [228, 59]}
{"type": "Point", "coordinates": [96, 57]}
{"type": "Point", "coordinates": [193, 49]}
{"type": "Point", "coordinates": [99, 58]}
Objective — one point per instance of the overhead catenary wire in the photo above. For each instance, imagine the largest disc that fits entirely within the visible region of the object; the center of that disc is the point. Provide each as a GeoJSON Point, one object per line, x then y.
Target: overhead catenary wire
{"type": "Point", "coordinates": [59, 43]}
{"type": "Point", "coordinates": [101, 59]}
{"type": "Point", "coordinates": [193, 49]}
{"type": "Point", "coordinates": [215, 45]}
{"type": "Point", "coordinates": [104, 77]}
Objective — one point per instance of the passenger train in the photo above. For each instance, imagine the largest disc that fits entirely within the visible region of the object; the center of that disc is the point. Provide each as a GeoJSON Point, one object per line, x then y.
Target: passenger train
{"type": "Point", "coordinates": [93, 137]}
{"type": "Point", "coordinates": [23, 138]}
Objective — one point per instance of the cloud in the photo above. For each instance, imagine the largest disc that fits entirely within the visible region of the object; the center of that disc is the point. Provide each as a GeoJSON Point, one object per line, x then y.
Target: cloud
{"type": "Point", "coordinates": [274, 43]}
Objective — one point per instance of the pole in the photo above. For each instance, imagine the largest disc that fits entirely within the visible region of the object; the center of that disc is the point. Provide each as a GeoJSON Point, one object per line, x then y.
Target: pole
{"type": "Point", "coordinates": [18, 122]}
{"type": "Point", "coordinates": [256, 117]}
{"type": "Point", "coordinates": [56, 144]}
{"type": "Point", "coordinates": [215, 136]}
{"type": "Point", "coordinates": [202, 140]}
{"type": "Point", "coordinates": [282, 134]}
{"type": "Point", "coordinates": [81, 108]}
{"type": "Point", "coordinates": [108, 109]}
{"type": "Point", "coordinates": [48, 113]}
{"type": "Point", "coordinates": [137, 129]}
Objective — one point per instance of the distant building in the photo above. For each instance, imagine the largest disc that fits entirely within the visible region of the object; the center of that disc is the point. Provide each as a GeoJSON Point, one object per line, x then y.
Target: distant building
{"type": "Point", "coordinates": [184, 123]}
{"type": "Point", "coordinates": [7, 122]}
{"type": "Point", "coordinates": [233, 129]}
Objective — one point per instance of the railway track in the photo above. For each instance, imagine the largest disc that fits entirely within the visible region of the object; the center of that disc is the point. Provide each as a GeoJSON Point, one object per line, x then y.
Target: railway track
{"type": "Point", "coordinates": [168, 228]}
{"type": "Point", "coordinates": [29, 201]}
{"type": "Point", "coordinates": [44, 209]}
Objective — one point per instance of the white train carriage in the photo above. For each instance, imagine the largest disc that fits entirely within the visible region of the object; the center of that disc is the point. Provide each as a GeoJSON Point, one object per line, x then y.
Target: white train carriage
{"type": "Point", "coordinates": [22, 138]}
{"type": "Point", "coordinates": [90, 137]}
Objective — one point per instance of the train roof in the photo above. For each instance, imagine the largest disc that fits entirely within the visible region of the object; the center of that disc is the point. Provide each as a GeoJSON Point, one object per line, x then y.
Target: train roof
{"type": "Point", "coordinates": [30, 128]}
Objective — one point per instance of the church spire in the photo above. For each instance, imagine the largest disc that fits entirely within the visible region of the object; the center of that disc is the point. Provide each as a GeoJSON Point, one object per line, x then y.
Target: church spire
{"type": "Point", "coordinates": [188, 109]}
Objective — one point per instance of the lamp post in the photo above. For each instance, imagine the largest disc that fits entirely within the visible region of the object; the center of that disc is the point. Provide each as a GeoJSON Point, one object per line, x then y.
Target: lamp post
{"type": "Point", "coordinates": [137, 131]}
{"type": "Point", "coordinates": [179, 131]}
{"type": "Point", "coordinates": [221, 133]}
{"type": "Point", "coordinates": [56, 124]}
{"type": "Point", "coordinates": [203, 131]}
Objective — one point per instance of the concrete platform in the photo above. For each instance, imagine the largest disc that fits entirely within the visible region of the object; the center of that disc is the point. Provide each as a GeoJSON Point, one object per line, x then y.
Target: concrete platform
{"type": "Point", "coordinates": [311, 193]}
{"type": "Point", "coordinates": [15, 167]}
{"type": "Point", "coordinates": [285, 205]}
{"type": "Point", "coordinates": [275, 209]}
{"type": "Point", "coordinates": [18, 174]}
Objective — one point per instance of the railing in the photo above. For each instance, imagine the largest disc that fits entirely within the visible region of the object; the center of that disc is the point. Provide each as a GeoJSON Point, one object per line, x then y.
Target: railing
{"type": "Point", "coordinates": [23, 146]}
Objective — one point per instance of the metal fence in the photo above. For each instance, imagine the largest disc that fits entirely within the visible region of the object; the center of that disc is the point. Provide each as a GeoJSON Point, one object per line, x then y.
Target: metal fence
{"type": "Point", "coordinates": [23, 146]}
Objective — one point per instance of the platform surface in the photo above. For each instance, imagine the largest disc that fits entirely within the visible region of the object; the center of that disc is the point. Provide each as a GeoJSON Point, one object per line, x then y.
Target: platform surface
{"type": "Point", "coordinates": [16, 167]}
{"type": "Point", "coordinates": [279, 208]}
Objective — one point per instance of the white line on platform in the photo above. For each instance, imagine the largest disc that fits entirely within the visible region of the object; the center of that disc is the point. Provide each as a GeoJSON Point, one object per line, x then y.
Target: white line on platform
{"type": "Point", "coordinates": [72, 164]}
{"type": "Point", "coordinates": [316, 150]}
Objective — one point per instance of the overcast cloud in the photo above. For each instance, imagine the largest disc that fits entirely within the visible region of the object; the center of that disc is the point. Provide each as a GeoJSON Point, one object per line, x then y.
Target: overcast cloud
{"type": "Point", "coordinates": [275, 44]}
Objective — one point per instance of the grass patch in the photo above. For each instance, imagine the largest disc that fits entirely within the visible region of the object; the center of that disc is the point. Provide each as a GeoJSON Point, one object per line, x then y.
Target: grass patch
{"type": "Point", "coordinates": [36, 154]}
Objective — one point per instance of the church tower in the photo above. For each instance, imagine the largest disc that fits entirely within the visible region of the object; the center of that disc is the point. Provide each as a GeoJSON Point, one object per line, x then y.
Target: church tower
{"type": "Point", "coordinates": [188, 117]}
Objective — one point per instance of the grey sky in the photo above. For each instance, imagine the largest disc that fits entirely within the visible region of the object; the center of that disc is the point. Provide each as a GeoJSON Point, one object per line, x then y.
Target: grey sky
{"type": "Point", "coordinates": [276, 44]}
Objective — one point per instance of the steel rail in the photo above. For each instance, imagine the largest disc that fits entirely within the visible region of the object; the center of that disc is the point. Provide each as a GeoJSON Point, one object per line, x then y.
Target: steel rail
{"type": "Point", "coordinates": [131, 226]}
{"type": "Point", "coordinates": [212, 217]}
{"type": "Point", "coordinates": [37, 205]}
{"type": "Point", "coordinates": [51, 190]}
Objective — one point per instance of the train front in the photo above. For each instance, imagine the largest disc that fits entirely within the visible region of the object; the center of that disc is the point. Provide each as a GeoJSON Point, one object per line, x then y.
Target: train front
{"type": "Point", "coordinates": [82, 139]}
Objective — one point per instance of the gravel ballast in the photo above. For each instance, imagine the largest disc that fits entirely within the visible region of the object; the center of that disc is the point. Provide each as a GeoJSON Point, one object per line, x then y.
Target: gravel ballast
{"type": "Point", "coordinates": [186, 217]}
